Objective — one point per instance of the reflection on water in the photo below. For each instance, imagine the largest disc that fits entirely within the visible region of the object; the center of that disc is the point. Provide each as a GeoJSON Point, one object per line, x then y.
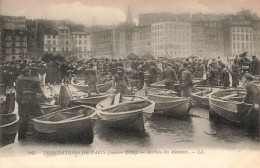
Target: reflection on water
{"type": "Point", "coordinates": [121, 137]}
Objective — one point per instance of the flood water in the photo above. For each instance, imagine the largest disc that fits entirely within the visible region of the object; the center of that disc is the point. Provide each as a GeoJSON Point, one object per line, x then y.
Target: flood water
{"type": "Point", "coordinates": [161, 132]}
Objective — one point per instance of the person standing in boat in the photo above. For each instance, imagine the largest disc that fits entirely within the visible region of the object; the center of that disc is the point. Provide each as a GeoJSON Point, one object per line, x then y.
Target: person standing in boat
{"type": "Point", "coordinates": [27, 88]}
{"type": "Point", "coordinates": [186, 81]}
{"type": "Point", "coordinates": [120, 81]}
{"type": "Point", "coordinates": [170, 76]}
{"type": "Point", "coordinates": [91, 78]}
{"type": "Point", "coordinates": [253, 97]}
{"type": "Point", "coordinates": [224, 79]}
{"type": "Point", "coordinates": [235, 73]}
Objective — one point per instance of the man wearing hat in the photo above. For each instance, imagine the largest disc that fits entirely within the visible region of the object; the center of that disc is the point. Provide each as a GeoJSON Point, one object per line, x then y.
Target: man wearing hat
{"type": "Point", "coordinates": [185, 81]}
{"type": "Point", "coordinates": [253, 97]}
{"type": "Point", "coordinates": [120, 81]}
{"type": "Point", "coordinates": [213, 75]}
{"type": "Point", "coordinates": [255, 66]}
{"type": "Point", "coordinates": [91, 78]}
{"type": "Point", "coordinates": [170, 76]}
{"type": "Point", "coordinates": [27, 87]}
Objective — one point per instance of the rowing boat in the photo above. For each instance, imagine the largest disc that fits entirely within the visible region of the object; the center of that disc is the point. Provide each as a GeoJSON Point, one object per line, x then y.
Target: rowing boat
{"type": "Point", "coordinates": [200, 96]}
{"type": "Point", "coordinates": [228, 105]}
{"type": "Point", "coordinates": [130, 112]}
{"type": "Point", "coordinates": [84, 87]}
{"type": "Point", "coordinates": [170, 105]}
{"type": "Point", "coordinates": [166, 101]}
{"type": "Point", "coordinates": [149, 90]}
{"type": "Point", "coordinates": [67, 125]}
{"type": "Point", "coordinates": [161, 84]}
{"type": "Point", "coordinates": [8, 128]}
{"type": "Point", "coordinates": [91, 100]}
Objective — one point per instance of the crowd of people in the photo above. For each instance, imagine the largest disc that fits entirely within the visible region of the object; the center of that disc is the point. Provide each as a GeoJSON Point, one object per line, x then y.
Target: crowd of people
{"type": "Point", "coordinates": [216, 71]}
{"type": "Point", "coordinates": [27, 77]}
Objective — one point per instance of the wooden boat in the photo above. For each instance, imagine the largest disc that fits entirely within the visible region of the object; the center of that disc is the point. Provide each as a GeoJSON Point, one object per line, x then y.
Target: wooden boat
{"type": "Point", "coordinates": [8, 128]}
{"type": "Point", "coordinates": [49, 108]}
{"type": "Point", "coordinates": [68, 124]}
{"type": "Point", "coordinates": [228, 105]}
{"type": "Point", "coordinates": [127, 114]}
{"type": "Point", "coordinates": [92, 100]}
{"type": "Point", "coordinates": [161, 85]}
{"type": "Point", "coordinates": [166, 101]}
{"type": "Point", "coordinates": [200, 96]}
{"type": "Point", "coordinates": [145, 91]}
{"type": "Point", "coordinates": [170, 105]}
{"type": "Point", "coordinates": [84, 87]}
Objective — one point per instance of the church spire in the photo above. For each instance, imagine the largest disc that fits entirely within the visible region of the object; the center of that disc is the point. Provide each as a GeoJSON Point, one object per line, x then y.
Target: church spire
{"type": "Point", "coordinates": [129, 19]}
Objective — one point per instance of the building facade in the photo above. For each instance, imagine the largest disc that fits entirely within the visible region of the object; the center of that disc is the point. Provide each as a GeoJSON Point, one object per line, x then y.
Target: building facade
{"type": "Point", "coordinates": [141, 40]}
{"type": "Point", "coordinates": [59, 42]}
{"type": "Point", "coordinates": [171, 39]}
{"type": "Point", "coordinates": [13, 38]}
{"type": "Point", "coordinates": [102, 43]}
{"type": "Point", "coordinates": [197, 39]}
{"type": "Point", "coordinates": [81, 45]}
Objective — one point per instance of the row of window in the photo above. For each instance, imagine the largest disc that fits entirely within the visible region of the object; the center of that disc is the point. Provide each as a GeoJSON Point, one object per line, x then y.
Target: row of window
{"type": "Point", "coordinates": [171, 39]}
{"type": "Point", "coordinates": [246, 37]}
{"type": "Point", "coordinates": [80, 42]}
{"type": "Point", "coordinates": [13, 51]}
{"type": "Point", "coordinates": [57, 42]}
{"type": "Point", "coordinates": [55, 49]}
{"type": "Point", "coordinates": [241, 29]}
{"type": "Point", "coordinates": [182, 26]}
{"type": "Point", "coordinates": [15, 38]}
{"type": "Point", "coordinates": [170, 33]}
{"type": "Point", "coordinates": [56, 37]}
{"type": "Point", "coordinates": [242, 46]}
{"type": "Point", "coordinates": [80, 36]}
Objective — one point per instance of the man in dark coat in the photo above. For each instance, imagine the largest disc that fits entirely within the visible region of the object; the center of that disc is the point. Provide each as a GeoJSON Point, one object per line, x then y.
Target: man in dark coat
{"type": "Point", "coordinates": [170, 77]}
{"type": "Point", "coordinates": [91, 78]}
{"type": "Point", "coordinates": [213, 75]}
{"type": "Point", "coordinates": [186, 81]}
{"type": "Point", "coordinates": [27, 87]}
{"type": "Point", "coordinates": [255, 66]}
{"type": "Point", "coordinates": [253, 97]}
{"type": "Point", "coordinates": [225, 77]}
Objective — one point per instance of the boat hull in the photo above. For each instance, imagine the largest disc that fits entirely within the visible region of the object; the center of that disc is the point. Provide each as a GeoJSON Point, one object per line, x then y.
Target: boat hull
{"type": "Point", "coordinates": [76, 131]}
{"type": "Point", "coordinates": [130, 120]}
{"type": "Point", "coordinates": [198, 100]}
{"type": "Point", "coordinates": [230, 111]}
{"type": "Point", "coordinates": [67, 129]}
{"type": "Point", "coordinates": [170, 106]}
{"type": "Point", "coordinates": [90, 101]}
{"type": "Point", "coordinates": [133, 122]}
{"type": "Point", "coordinates": [9, 128]}
{"type": "Point", "coordinates": [101, 87]}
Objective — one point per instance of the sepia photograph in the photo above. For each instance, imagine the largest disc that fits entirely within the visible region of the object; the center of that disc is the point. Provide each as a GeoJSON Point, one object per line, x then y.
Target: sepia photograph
{"type": "Point", "coordinates": [130, 83]}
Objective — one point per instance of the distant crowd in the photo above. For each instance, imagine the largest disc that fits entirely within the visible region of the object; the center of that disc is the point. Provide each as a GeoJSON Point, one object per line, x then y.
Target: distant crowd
{"type": "Point", "coordinates": [215, 71]}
